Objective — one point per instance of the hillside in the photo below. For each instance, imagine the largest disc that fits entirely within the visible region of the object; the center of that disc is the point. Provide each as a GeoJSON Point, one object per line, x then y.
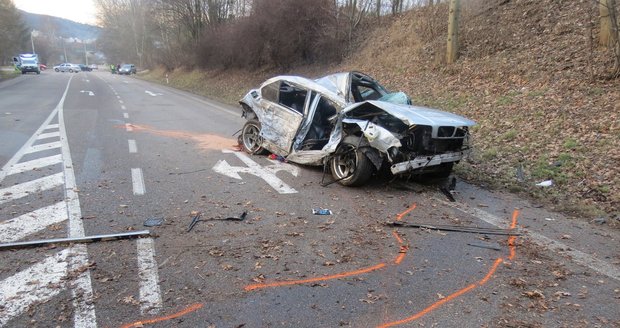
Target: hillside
{"type": "Point", "coordinates": [528, 74]}
{"type": "Point", "coordinates": [64, 27]}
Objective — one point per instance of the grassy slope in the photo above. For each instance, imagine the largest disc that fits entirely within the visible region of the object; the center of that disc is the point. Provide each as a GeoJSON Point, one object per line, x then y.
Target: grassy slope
{"type": "Point", "coordinates": [526, 75]}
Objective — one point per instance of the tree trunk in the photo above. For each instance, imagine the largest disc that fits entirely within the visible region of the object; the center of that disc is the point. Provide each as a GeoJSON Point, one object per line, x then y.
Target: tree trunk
{"type": "Point", "coordinates": [453, 32]}
{"type": "Point", "coordinates": [606, 28]}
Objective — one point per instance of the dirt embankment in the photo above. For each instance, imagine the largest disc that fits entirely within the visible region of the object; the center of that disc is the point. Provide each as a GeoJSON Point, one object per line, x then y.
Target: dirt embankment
{"type": "Point", "coordinates": [531, 75]}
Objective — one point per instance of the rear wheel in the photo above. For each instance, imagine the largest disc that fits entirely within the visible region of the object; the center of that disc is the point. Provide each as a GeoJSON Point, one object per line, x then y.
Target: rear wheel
{"type": "Point", "coordinates": [251, 141]}
{"type": "Point", "coordinates": [70, 70]}
{"type": "Point", "coordinates": [349, 165]}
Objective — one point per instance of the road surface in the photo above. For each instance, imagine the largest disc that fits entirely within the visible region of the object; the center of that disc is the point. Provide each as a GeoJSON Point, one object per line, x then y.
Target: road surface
{"type": "Point", "coordinates": [93, 153]}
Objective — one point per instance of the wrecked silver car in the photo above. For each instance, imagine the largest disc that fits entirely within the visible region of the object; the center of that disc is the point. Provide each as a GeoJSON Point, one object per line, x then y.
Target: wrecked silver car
{"type": "Point", "coordinates": [351, 124]}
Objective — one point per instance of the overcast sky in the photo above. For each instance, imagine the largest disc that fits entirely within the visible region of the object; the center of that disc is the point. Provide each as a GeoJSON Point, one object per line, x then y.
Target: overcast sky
{"type": "Point", "coordinates": [81, 11]}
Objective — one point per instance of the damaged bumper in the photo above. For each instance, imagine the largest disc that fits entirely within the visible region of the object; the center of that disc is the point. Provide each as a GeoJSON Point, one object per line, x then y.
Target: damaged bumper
{"type": "Point", "coordinates": [427, 161]}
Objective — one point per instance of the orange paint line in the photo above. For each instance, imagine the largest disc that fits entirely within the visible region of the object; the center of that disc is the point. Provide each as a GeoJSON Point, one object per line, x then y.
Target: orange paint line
{"type": "Point", "coordinates": [397, 236]}
{"type": "Point", "coordinates": [183, 312]}
{"type": "Point", "coordinates": [491, 272]}
{"type": "Point", "coordinates": [512, 239]}
{"type": "Point", "coordinates": [400, 258]}
{"type": "Point", "coordinates": [309, 280]}
{"type": "Point", "coordinates": [430, 308]}
{"type": "Point", "coordinates": [399, 217]}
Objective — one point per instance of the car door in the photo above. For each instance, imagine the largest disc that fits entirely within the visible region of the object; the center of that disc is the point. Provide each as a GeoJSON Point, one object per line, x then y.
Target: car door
{"type": "Point", "coordinates": [284, 113]}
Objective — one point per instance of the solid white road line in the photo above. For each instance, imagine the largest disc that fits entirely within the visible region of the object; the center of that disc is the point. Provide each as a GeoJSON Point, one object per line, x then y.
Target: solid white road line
{"type": "Point", "coordinates": [150, 295]}
{"type": "Point", "coordinates": [48, 135]}
{"type": "Point", "coordinates": [137, 181]}
{"type": "Point", "coordinates": [128, 127]}
{"type": "Point", "coordinates": [35, 221]}
{"type": "Point", "coordinates": [35, 164]}
{"type": "Point", "coordinates": [36, 284]}
{"type": "Point", "coordinates": [133, 147]}
{"type": "Point", "coordinates": [81, 287]}
{"type": "Point", "coordinates": [576, 256]}
{"type": "Point", "coordinates": [24, 189]}
{"type": "Point", "coordinates": [42, 147]}
{"type": "Point", "coordinates": [125, 115]}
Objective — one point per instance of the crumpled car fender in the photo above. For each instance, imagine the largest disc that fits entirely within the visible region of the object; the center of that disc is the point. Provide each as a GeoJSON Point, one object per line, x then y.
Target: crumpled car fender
{"type": "Point", "coordinates": [377, 136]}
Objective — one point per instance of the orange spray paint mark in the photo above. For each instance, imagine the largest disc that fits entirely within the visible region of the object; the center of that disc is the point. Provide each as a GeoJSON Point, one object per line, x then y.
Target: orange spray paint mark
{"type": "Point", "coordinates": [399, 217]}
{"type": "Point", "coordinates": [317, 279]}
{"type": "Point", "coordinates": [512, 239]}
{"type": "Point", "coordinates": [395, 234]}
{"type": "Point", "coordinates": [465, 290]}
{"type": "Point", "coordinates": [204, 141]}
{"type": "Point", "coordinates": [430, 308]}
{"type": "Point", "coordinates": [183, 312]}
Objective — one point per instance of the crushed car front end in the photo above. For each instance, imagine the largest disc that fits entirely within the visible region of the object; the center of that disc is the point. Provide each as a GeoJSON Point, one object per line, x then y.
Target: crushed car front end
{"type": "Point", "coordinates": [411, 138]}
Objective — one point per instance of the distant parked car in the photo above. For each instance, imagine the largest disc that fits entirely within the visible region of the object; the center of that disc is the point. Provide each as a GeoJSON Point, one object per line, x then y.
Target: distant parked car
{"type": "Point", "coordinates": [93, 66]}
{"type": "Point", "coordinates": [85, 68]}
{"type": "Point", "coordinates": [127, 69]}
{"type": "Point", "coordinates": [67, 67]}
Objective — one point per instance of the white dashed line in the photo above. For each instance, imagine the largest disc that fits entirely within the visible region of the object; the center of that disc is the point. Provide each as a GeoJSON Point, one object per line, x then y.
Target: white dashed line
{"type": "Point", "coordinates": [125, 115]}
{"type": "Point", "coordinates": [137, 181]}
{"type": "Point", "coordinates": [120, 101]}
{"type": "Point", "coordinates": [150, 295]}
{"type": "Point", "coordinates": [128, 127]}
{"type": "Point", "coordinates": [123, 107]}
{"type": "Point", "coordinates": [133, 147]}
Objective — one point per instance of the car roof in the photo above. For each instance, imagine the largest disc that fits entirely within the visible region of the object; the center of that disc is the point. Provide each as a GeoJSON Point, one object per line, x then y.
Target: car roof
{"type": "Point", "coordinates": [308, 84]}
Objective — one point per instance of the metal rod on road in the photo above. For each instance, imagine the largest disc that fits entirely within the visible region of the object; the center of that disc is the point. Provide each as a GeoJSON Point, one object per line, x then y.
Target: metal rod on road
{"type": "Point", "coordinates": [85, 239]}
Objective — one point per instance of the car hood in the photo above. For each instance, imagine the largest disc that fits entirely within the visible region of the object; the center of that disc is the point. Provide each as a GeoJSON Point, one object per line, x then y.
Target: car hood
{"type": "Point", "coordinates": [410, 115]}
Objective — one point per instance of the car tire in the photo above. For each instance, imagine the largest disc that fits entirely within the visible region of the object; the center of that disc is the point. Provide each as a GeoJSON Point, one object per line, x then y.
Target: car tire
{"type": "Point", "coordinates": [250, 138]}
{"type": "Point", "coordinates": [349, 165]}
{"type": "Point", "coordinates": [70, 70]}
{"type": "Point", "coordinates": [56, 69]}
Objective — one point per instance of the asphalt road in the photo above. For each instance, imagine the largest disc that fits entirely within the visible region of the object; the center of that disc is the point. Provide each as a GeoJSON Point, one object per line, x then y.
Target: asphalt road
{"type": "Point", "coordinates": [94, 153]}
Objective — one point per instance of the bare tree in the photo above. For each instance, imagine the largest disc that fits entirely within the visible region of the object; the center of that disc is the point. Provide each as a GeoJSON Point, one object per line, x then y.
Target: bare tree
{"type": "Point", "coordinates": [453, 32]}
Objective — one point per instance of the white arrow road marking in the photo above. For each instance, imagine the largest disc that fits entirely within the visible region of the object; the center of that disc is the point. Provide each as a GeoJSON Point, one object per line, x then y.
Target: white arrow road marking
{"type": "Point", "coordinates": [38, 283]}
{"type": "Point", "coordinates": [150, 295]}
{"type": "Point", "coordinates": [24, 189]}
{"type": "Point", "coordinates": [35, 221]}
{"type": "Point", "coordinates": [90, 93]}
{"type": "Point", "coordinates": [268, 173]}
{"type": "Point", "coordinates": [34, 164]}
{"type": "Point", "coordinates": [153, 93]}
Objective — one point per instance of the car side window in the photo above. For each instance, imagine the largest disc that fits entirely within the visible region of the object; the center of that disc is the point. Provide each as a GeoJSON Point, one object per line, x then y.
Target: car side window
{"type": "Point", "coordinates": [292, 97]}
{"type": "Point", "coordinates": [271, 91]}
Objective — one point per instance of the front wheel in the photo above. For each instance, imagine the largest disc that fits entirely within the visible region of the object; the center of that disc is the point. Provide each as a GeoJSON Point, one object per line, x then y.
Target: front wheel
{"type": "Point", "coordinates": [349, 165]}
{"type": "Point", "coordinates": [70, 71]}
{"type": "Point", "coordinates": [251, 141]}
